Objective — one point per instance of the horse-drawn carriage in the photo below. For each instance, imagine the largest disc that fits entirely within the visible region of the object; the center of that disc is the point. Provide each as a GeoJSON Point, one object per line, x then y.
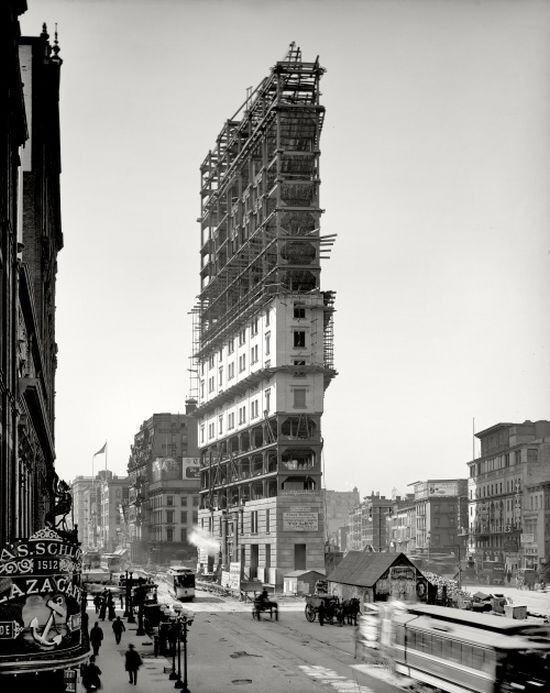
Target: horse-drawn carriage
{"type": "Point", "coordinates": [330, 609]}
{"type": "Point", "coordinates": [262, 604]}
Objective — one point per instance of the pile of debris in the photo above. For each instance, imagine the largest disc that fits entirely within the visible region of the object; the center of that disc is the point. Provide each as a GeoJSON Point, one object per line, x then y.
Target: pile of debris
{"type": "Point", "coordinates": [448, 591]}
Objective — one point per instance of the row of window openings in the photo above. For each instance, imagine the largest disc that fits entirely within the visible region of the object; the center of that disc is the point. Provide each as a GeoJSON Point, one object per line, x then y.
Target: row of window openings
{"type": "Point", "coordinates": [502, 462]}
{"type": "Point", "coordinates": [512, 486]}
{"type": "Point", "coordinates": [170, 535]}
{"type": "Point", "coordinates": [242, 366]}
{"type": "Point", "coordinates": [299, 402]}
{"type": "Point", "coordinates": [160, 501]}
{"type": "Point", "coordinates": [171, 515]}
{"type": "Point", "coordinates": [298, 342]}
{"type": "Point", "coordinates": [206, 523]}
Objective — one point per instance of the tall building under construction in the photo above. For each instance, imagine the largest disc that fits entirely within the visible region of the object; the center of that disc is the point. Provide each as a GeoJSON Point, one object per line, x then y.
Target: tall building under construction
{"type": "Point", "coordinates": [263, 329]}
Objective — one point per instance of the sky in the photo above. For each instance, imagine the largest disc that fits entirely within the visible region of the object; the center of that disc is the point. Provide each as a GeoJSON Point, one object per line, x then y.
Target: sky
{"type": "Point", "coordinates": [435, 172]}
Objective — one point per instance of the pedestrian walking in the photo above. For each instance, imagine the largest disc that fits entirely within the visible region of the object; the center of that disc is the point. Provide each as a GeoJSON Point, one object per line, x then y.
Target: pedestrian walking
{"type": "Point", "coordinates": [103, 607]}
{"type": "Point", "coordinates": [118, 629]}
{"type": "Point", "coordinates": [97, 603]}
{"type": "Point", "coordinates": [90, 676]}
{"type": "Point", "coordinates": [96, 637]}
{"type": "Point", "coordinates": [111, 613]}
{"type": "Point", "coordinates": [133, 663]}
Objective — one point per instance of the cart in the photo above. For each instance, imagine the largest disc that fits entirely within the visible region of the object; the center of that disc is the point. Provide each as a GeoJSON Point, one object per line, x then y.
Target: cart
{"type": "Point", "coordinates": [331, 607]}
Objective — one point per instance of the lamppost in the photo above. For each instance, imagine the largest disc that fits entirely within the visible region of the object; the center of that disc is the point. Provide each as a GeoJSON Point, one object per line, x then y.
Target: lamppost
{"type": "Point", "coordinates": [184, 621]}
{"type": "Point", "coordinates": [140, 600]}
{"type": "Point", "coordinates": [173, 637]}
{"type": "Point", "coordinates": [126, 592]}
{"type": "Point", "coordinates": [131, 617]}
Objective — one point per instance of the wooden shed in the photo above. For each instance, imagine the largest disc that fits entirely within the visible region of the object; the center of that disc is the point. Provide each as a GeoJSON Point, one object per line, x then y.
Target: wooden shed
{"type": "Point", "coordinates": [301, 581]}
{"type": "Point", "coordinates": [374, 577]}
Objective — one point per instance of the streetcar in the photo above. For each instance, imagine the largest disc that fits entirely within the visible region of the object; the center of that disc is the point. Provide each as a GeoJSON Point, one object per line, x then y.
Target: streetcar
{"type": "Point", "coordinates": [461, 652]}
{"type": "Point", "coordinates": [181, 583]}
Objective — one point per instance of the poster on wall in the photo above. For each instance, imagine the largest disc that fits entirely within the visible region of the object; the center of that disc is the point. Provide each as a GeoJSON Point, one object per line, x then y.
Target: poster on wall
{"type": "Point", "coordinates": [300, 521]}
{"type": "Point", "coordinates": [191, 468]}
{"type": "Point", "coordinates": [40, 600]}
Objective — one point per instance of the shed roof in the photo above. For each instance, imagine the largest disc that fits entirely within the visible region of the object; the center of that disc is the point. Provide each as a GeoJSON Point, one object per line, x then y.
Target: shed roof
{"type": "Point", "coordinates": [364, 568]}
{"type": "Point", "coordinates": [300, 573]}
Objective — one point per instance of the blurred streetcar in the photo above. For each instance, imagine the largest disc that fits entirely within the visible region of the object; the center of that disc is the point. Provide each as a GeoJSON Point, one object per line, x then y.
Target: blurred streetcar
{"type": "Point", "coordinates": [459, 651]}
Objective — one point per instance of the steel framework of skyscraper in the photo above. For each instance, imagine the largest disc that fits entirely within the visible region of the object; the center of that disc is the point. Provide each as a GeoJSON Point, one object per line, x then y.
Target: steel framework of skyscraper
{"type": "Point", "coordinates": [261, 245]}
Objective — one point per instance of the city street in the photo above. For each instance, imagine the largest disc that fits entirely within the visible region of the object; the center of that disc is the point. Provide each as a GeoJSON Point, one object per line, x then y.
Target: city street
{"type": "Point", "coordinates": [227, 648]}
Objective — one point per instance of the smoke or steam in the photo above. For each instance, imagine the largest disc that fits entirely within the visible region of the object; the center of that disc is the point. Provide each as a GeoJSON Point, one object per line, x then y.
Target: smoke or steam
{"type": "Point", "coordinates": [204, 541]}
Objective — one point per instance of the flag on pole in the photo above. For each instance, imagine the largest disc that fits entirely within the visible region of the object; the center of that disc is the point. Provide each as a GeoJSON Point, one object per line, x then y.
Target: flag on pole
{"type": "Point", "coordinates": [101, 450]}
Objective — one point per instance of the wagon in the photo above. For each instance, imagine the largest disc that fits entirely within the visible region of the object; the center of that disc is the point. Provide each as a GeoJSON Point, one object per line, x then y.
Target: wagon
{"type": "Point", "coordinates": [261, 605]}
{"type": "Point", "coordinates": [313, 602]}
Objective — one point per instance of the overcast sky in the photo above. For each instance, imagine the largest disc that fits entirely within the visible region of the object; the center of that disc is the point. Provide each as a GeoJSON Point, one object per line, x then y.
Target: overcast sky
{"type": "Point", "coordinates": [435, 175]}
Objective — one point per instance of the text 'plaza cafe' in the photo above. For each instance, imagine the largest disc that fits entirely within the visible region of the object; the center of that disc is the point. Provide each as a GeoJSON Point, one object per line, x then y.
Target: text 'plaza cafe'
{"type": "Point", "coordinates": [43, 631]}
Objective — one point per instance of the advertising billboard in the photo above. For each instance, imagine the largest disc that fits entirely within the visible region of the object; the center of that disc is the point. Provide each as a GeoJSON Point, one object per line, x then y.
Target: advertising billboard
{"type": "Point", "coordinates": [191, 468]}
{"type": "Point", "coordinates": [41, 603]}
{"type": "Point", "coordinates": [172, 469]}
{"type": "Point", "coordinates": [435, 489]}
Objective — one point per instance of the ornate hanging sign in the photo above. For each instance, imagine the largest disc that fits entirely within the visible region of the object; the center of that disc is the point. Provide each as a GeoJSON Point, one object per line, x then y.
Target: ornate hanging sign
{"type": "Point", "coordinates": [40, 602]}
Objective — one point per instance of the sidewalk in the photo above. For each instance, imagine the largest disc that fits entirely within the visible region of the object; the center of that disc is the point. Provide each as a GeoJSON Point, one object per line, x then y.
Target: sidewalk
{"type": "Point", "coordinates": [151, 676]}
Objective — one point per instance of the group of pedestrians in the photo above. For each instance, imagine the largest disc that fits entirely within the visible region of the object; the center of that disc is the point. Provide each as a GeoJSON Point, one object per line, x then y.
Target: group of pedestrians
{"type": "Point", "coordinates": [105, 605]}
{"type": "Point", "coordinates": [91, 673]}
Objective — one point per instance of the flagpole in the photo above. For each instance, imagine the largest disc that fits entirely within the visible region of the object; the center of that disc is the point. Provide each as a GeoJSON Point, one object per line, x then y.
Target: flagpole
{"type": "Point", "coordinates": [91, 521]}
{"type": "Point", "coordinates": [105, 455]}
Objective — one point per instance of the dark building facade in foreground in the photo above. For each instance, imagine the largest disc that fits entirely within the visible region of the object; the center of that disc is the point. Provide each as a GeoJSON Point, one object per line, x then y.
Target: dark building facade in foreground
{"type": "Point", "coordinates": [42, 639]}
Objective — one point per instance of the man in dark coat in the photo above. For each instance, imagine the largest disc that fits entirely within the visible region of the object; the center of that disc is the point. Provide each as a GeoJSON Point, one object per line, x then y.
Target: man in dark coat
{"type": "Point", "coordinates": [90, 676]}
{"type": "Point", "coordinates": [133, 663]}
{"type": "Point", "coordinates": [96, 637]}
{"type": "Point", "coordinates": [118, 629]}
{"type": "Point", "coordinates": [111, 613]}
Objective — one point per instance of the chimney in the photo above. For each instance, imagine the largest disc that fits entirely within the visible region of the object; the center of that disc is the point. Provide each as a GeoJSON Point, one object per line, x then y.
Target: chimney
{"type": "Point", "coordinates": [190, 405]}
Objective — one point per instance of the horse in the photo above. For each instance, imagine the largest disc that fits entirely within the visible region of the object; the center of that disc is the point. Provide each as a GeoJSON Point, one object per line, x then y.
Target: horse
{"type": "Point", "coordinates": [349, 610]}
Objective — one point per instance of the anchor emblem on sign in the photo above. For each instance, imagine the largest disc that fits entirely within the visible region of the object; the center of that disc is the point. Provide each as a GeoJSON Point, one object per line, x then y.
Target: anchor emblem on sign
{"type": "Point", "coordinates": [56, 606]}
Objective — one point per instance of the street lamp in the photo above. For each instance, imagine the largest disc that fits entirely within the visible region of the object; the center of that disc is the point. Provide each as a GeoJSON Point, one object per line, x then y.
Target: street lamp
{"type": "Point", "coordinates": [140, 600]}
{"type": "Point", "coordinates": [126, 590]}
{"type": "Point", "coordinates": [184, 621]}
{"type": "Point", "coordinates": [131, 617]}
{"type": "Point", "coordinates": [173, 635]}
